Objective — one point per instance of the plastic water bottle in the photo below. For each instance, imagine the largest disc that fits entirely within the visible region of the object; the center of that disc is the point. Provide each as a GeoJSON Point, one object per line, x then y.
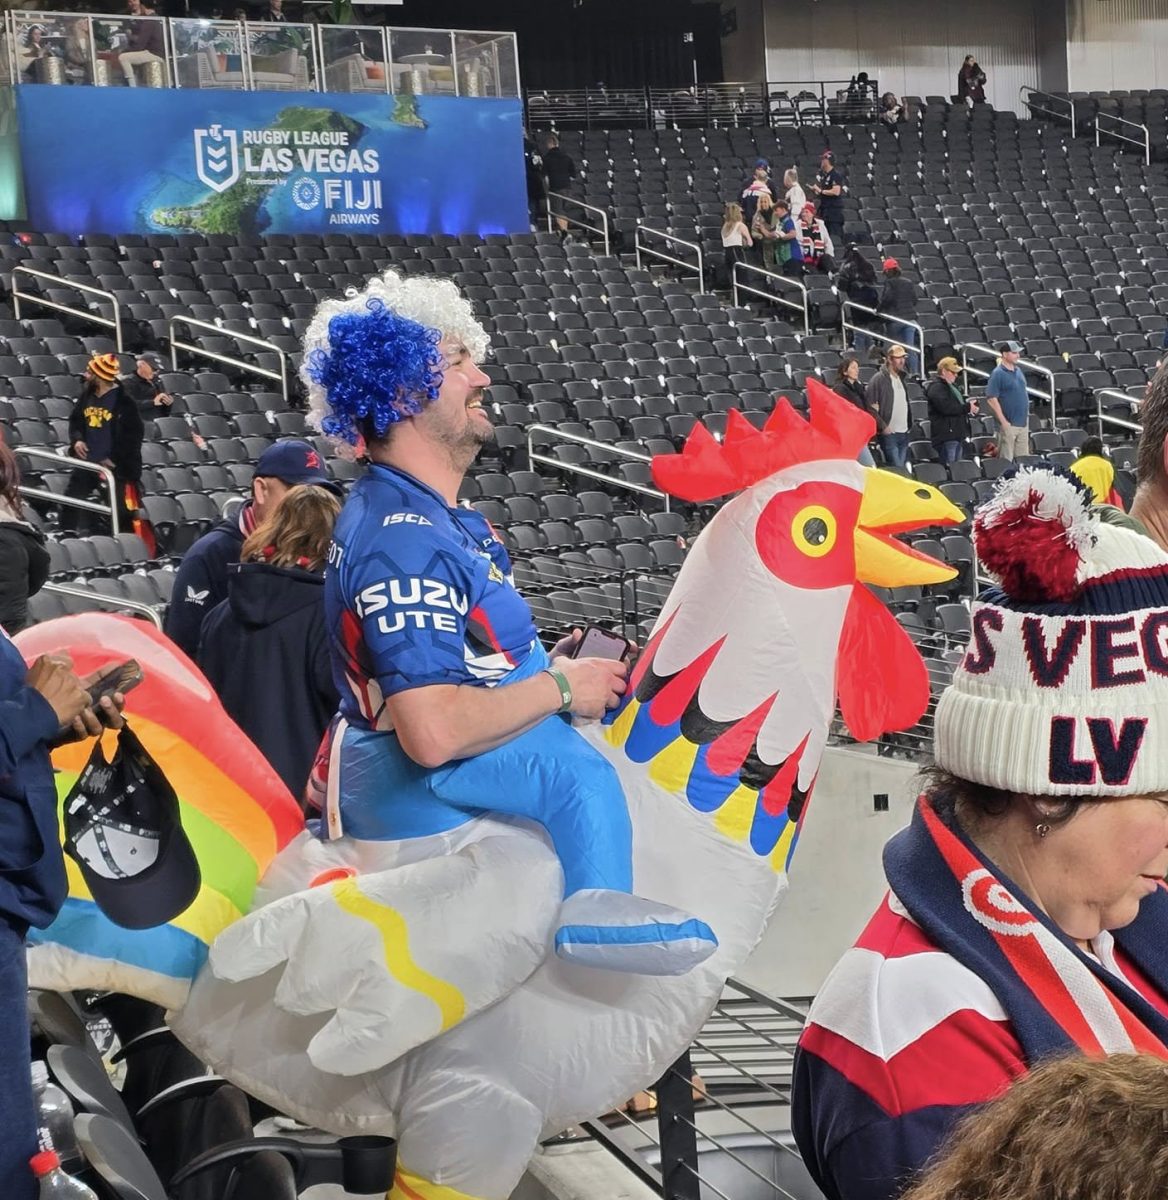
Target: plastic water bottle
{"type": "Point", "coordinates": [55, 1184]}
{"type": "Point", "coordinates": [54, 1117]}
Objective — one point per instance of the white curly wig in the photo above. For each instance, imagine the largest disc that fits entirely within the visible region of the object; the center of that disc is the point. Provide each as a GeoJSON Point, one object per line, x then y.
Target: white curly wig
{"type": "Point", "coordinates": [434, 303]}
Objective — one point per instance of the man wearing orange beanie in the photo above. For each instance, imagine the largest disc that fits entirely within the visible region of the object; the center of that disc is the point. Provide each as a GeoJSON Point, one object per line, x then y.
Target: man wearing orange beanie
{"type": "Point", "coordinates": [105, 427]}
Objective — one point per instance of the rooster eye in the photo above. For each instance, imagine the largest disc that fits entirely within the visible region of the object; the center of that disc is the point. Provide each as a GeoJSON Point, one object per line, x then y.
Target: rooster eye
{"type": "Point", "coordinates": [814, 530]}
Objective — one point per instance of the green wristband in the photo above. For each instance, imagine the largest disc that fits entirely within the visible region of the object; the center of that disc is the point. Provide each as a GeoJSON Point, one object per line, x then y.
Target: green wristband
{"type": "Point", "coordinates": [564, 686]}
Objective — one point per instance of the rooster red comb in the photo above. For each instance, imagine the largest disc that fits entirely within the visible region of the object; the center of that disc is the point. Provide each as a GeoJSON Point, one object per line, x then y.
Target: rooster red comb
{"type": "Point", "coordinates": [1034, 534]}
{"type": "Point", "coordinates": [706, 469]}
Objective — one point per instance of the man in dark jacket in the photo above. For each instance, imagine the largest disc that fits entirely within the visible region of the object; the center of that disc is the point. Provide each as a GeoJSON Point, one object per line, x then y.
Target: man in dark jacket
{"type": "Point", "coordinates": [105, 427]}
{"type": "Point", "coordinates": [888, 403]}
{"type": "Point", "coordinates": [37, 705]}
{"type": "Point", "coordinates": [898, 301]}
{"type": "Point", "coordinates": [559, 171]}
{"type": "Point", "coordinates": [201, 581]}
{"type": "Point", "coordinates": [145, 388]}
{"type": "Point", "coordinates": [948, 412]}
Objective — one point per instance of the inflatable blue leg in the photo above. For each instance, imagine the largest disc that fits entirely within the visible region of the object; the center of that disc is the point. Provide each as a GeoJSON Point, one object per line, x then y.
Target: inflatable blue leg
{"type": "Point", "coordinates": [552, 776]}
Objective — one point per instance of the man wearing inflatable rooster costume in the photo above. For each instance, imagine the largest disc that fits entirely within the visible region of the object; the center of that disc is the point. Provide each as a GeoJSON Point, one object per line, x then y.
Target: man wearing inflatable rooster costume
{"type": "Point", "coordinates": [438, 965]}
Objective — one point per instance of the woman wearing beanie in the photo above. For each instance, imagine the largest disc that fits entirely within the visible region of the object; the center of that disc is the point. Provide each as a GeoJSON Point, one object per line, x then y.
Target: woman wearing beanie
{"type": "Point", "coordinates": [1027, 914]}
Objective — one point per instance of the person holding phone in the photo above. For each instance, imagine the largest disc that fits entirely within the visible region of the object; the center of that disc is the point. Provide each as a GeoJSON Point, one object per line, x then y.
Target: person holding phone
{"type": "Point", "coordinates": [40, 706]}
{"type": "Point", "coordinates": [451, 708]}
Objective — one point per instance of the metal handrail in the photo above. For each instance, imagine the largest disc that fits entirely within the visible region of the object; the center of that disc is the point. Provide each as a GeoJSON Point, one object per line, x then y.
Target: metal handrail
{"type": "Point", "coordinates": [588, 472]}
{"type": "Point", "coordinates": [602, 229]}
{"type": "Point", "coordinates": [114, 323]}
{"type": "Point", "coordinates": [672, 238]}
{"type": "Point", "coordinates": [1101, 417]}
{"type": "Point", "coordinates": [109, 510]}
{"type": "Point", "coordinates": [112, 601]}
{"type": "Point", "coordinates": [847, 306]}
{"type": "Point", "coordinates": [1069, 114]}
{"type": "Point", "coordinates": [1119, 135]}
{"type": "Point", "coordinates": [1024, 363]}
{"type": "Point", "coordinates": [785, 280]}
{"type": "Point", "coordinates": [194, 323]}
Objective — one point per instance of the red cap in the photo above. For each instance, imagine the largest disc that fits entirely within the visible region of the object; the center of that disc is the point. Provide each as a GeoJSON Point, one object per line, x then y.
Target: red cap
{"type": "Point", "coordinates": [808, 208]}
{"type": "Point", "coordinates": [890, 264]}
{"type": "Point", "coordinates": [44, 1162]}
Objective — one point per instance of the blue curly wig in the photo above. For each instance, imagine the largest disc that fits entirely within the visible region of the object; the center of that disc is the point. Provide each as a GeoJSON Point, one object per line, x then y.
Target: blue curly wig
{"type": "Point", "coordinates": [379, 369]}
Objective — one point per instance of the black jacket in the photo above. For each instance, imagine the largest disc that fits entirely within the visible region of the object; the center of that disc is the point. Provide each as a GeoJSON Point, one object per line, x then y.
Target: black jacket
{"type": "Point", "coordinates": [855, 392]}
{"type": "Point", "coordinates": [126, 430]}
{"type": "Point", "coordinates": [948, 412]}
{"type": "Point", "coordinates": [898, 297]}
{"type": "Point", "coordinates": [24, 567]}
{"type": "Point", "coordinates": [265, 652]}
{"type": "Point", "coordinates": [142, 392]}
{"type": "Point", "coordinates": [201, 583]}
{"type": "Point", "coordinates": [559, 169]}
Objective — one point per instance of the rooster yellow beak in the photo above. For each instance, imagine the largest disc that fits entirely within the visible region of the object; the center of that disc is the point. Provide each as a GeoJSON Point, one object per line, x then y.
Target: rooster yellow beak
{"type": "Point", "coordinates": [895, 504]}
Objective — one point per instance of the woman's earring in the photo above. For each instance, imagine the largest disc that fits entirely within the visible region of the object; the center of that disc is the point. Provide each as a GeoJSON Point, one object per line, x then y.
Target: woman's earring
{"type": "Point", "coordinates": [1042, 829]}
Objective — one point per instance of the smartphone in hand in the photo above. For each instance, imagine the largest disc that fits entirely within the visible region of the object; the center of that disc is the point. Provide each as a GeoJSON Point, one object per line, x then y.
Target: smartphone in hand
{"type": "Point", "coordinates": [121, 678]}
{"type": "Point", "coordinates": [602, 643]}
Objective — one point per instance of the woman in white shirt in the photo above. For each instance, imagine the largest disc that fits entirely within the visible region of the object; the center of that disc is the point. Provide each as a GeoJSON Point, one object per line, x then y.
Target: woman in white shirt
{"type": "Point", "coordinates": [796, 197]}
{"type": "Point", "coordinates": [735, 236]}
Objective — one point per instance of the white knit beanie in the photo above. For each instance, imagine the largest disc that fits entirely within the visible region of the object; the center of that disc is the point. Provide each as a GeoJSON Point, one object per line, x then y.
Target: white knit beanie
{"type": "Point", "coordinates": [1064, 688]}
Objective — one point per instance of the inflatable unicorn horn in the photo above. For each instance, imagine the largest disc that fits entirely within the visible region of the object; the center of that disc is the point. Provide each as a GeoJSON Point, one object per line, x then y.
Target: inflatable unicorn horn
{"type": "Point", "coordinates": [414, 991]}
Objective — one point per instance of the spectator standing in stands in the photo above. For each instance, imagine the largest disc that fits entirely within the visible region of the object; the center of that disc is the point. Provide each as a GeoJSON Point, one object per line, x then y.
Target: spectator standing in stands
{"type": "Point", "coordinates": [201, 580]}
{"type": "Point", "coordinates": [533, 172]}
{"type": "Point", "coordinates": [24, 561]}
{"type": "Point", "coordinates": [559, 171]}
{"type": "Point", "coordinates": [147, 43]}
{"type": "Point", "coordinates": [1026, 908]}
{"type": "Point", "coordinates": [105, 427]}
{"type": "Point", "coordinates": [144, 387]}
{"type": "Point", "coordinates": [40, 707]}
{"type": "Point", "coordinates": [1009, 401]}
{"type": "Point", "coordinates": [735, 238]}
{"type": "Point", "coordinates": [948, 412]}
{"type": "Point", "coordinates": [789, 241]}
{"type": "Point", "coordinates": [971, 81]}
{"type": "Point", "coordinates": [888, 402]}
{"type": "Point", "coordinates": [796, 196]}
{"type": "Point", "coordinates": [847, 384]}
{"type": "Point", "coordinates": [818, 249]}
{"type": "Point", "coordinates": [857, 281]}
{"type": "Point", "coordinates": [1094, 470]}
{"type": "Point", "coordinates": [758, 186]}
{"type": "Point", "coordinates": [273, 12]}
{"type": "Point", "coordinates": [270, 631]}
{"type": "Point", "coordinates": [829, 187]}
{"type": "Point", "coordinates": [898, 302]}
{"type": "Point", "coordinates": [764, 230]}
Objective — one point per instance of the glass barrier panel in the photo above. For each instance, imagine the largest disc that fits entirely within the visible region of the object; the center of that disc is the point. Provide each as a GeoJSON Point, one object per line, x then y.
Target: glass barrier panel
{"type": "Point", "coordinates": [130, 52]}
{"type": "Point", "coordinates": [485, 64]}
{"type": "Point", "coordinates": [354, 58]}
{"type": "Point", "coordinates": [52, 47]}
{"type": "Point", "coordinates": [281, 57]}
{"type": "Point", "coordinates": [422, 61]}
{"type": "Point", "coordinates": [208, 54]}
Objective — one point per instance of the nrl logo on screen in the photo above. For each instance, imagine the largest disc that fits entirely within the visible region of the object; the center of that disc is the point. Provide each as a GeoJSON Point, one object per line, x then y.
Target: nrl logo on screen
{"type": "Point", "coordinates": [217, 157]}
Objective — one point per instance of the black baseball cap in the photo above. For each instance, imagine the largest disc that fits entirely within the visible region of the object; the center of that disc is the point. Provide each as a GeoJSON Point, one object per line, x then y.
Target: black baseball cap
{"type": "Point", "coordinates": [124, 830]}
{"type": "Point", "coordinates": [1013, 347]}
{"type": "Point", "coordinates": [293, 461]}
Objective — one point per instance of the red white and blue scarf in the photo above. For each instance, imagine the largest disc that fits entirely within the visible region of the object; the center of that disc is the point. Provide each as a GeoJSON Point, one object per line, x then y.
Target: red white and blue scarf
{"type": "Point", "coordinates": [1057, 997]}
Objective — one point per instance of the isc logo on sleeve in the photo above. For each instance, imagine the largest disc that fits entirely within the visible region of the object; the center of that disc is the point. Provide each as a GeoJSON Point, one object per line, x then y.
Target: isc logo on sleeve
{"type": "Point", "coordinates": [405, 519]}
